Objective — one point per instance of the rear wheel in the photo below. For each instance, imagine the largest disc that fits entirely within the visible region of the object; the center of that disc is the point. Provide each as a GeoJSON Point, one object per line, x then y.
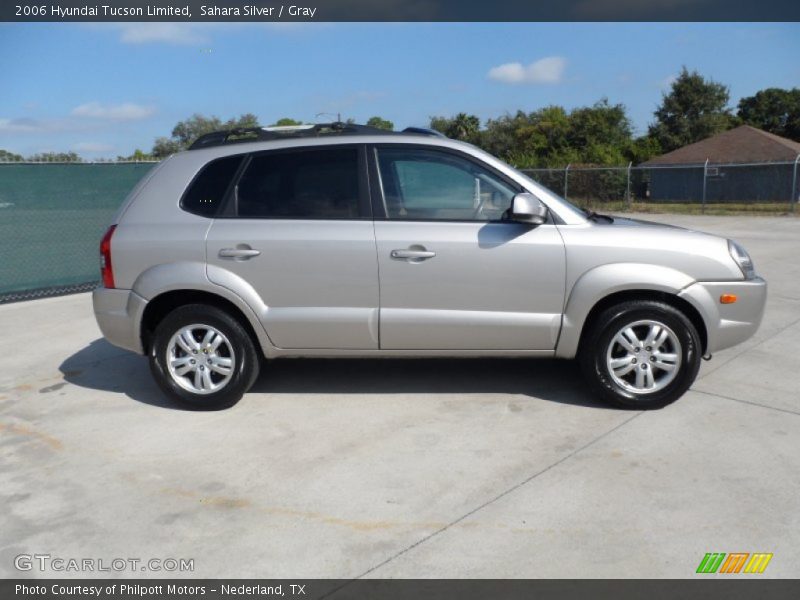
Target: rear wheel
{"type": "Point", "coordinates": [203, 358]}
{"type": "Point", "coordinates": [641, 354]}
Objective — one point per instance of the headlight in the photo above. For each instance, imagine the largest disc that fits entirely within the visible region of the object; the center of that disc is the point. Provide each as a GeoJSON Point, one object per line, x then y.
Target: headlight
{"type": "Point", "coordinates": [742, 258]}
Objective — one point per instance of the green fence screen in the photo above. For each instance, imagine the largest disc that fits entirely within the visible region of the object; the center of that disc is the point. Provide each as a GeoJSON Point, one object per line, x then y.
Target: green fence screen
{"type": "Point", "coordinates": [52, 217]}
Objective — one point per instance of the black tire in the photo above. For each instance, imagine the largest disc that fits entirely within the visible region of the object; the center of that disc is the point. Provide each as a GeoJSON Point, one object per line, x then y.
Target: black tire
{"type": "Point", "coordinates": [594, 351]}
{"type": "Point", "coordinates": [244, 371]}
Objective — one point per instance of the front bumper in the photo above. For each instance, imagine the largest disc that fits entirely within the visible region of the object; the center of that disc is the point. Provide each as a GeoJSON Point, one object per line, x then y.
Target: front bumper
{"type": "Point", "coordinates": [119, 315]}
{"type": "Point", "coordinates": [728, 324]}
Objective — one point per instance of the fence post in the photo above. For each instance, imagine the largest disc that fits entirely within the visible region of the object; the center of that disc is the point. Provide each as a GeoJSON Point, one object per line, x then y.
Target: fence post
{"type": "Point", "coordinates": [566, 178]}
{"type": "Point", "coordinates": [628, 187]}
{"type": "Point", "coordinates": [705, 173]}
{"type": "Point", "coordinates": [793, 199]}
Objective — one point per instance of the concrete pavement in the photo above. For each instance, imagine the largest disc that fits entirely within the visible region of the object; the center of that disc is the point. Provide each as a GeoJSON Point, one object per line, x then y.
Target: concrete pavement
{"type": "Point", "coordinates": [403, 468]}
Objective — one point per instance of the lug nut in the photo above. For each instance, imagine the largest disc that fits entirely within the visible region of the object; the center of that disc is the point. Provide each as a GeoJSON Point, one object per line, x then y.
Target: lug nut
{"type": "Point", "coordinates": [652, 359]}
{"type": "Point", "coordinates": [648, 348]}
{"type": "Point", "coordinates": [636, 349]}
{"type": "Point", "coordinates": [644, 366]}
{"type": "Point", "coordinates": [634, 361]}
{"type": "Point", "coordinates": [202, 368]}
{"type": "Point", "coordinates": [192, 361]}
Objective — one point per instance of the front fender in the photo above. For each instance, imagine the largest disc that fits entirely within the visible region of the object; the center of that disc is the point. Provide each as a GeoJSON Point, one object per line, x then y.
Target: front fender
{"type": "Point", "coordinates": [600, 282]}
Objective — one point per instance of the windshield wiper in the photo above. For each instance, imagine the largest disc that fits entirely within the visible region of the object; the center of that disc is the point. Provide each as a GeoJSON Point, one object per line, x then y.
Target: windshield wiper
{"type": "Point", "coordinates": [596, 217]}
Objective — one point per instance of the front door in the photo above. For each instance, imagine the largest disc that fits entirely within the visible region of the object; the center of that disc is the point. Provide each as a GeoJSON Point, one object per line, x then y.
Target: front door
{"type": "Point", "coordinates": [453, 274]}
{"type": "Point", "coordinates": [299, 230]}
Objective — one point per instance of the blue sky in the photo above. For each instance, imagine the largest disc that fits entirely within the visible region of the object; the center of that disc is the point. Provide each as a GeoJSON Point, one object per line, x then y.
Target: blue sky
{"type": "Point", "coordinates": [106, 89]}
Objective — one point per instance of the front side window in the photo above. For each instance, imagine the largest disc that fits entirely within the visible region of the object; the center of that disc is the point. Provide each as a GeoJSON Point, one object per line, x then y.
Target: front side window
{"type": "Point", "coordinates": [307, 184]}
{"type": "Point", "coordinates": [207, 192]}
{"type": "Point", "coordinates": [421, 184]}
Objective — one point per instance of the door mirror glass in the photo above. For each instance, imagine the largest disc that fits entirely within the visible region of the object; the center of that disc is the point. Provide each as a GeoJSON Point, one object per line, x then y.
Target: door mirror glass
{"type": "Point", "coordinates": [527, 208]}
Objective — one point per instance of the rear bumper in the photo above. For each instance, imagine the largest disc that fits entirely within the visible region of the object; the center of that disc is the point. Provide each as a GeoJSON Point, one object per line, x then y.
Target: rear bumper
{"type": "Point", "coordinates": [728, 324]}
{"type": "Point", "coordinates": [119, 314]}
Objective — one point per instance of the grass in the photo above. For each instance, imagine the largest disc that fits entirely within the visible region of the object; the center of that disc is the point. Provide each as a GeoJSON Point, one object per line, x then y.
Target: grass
{"type": "Point", "coordinates": [693, 208]}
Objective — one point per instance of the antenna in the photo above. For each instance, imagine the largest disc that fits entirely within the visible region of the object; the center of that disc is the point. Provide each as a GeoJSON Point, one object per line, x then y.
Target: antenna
{"type": "Point", "coordinates": [323, 114]}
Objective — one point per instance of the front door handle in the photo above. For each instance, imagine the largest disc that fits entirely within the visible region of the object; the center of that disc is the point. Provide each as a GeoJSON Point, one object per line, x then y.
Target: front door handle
{"type": "Point", "coordinates": [415, 255]}
{"type": "Point", "coordinates": [239, 253]}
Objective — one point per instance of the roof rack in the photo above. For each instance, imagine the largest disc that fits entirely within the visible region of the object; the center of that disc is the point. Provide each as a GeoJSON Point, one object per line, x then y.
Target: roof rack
{"type": "Point", "coordinates": [261, 134]}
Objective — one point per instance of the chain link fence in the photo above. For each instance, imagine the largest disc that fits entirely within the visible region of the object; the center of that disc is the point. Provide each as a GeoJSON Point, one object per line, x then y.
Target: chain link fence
{"type": "Point", "coordinates": [52, 216]}
{"type": "Point", "coordinates": [755, 188]}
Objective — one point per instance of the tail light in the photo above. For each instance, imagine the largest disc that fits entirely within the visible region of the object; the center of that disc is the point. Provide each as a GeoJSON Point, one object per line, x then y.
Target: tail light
{"type": "Point", "coordinates": [106, 269]}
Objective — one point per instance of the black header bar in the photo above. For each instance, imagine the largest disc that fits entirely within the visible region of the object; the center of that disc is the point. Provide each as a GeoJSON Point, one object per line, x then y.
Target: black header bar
{"type": "Point", "coordinates": [400, 10]}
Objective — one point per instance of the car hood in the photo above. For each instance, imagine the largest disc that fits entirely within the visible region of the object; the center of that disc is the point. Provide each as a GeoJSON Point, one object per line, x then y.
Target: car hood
{"type": "Point", "coordinates": [628, 222]}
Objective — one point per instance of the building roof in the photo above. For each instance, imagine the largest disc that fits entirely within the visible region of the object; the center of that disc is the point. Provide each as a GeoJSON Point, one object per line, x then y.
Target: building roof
{"type": "Point", "coordinates": [745, 144]}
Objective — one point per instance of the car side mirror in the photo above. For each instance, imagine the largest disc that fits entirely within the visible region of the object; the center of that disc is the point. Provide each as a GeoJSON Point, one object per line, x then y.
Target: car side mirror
{"type": "Point", "coordinates": [527, 208]}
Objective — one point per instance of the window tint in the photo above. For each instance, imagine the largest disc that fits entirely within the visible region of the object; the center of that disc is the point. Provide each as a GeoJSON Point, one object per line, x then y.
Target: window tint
{"type": "Point", "coordinates": [434, 185]}
{"type": "Point", "coordinates": [205, 195]}
{"type": "Point", "coordinates": [309, 184]}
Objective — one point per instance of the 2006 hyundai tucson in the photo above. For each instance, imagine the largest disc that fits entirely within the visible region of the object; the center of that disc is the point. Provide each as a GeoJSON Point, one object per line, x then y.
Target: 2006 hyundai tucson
{"type": "Point", "coordinates": [340, 240]}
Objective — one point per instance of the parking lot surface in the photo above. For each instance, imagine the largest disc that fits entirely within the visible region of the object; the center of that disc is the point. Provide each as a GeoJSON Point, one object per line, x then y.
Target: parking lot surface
{"type": "Point", "coordinates": [403, 468]}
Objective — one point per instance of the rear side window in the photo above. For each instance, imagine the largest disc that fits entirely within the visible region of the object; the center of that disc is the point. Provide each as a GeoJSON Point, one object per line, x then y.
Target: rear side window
{"type": "Point", "coordinates": [207, 192]}
{"type": "Point", "coordinates": [308, 184]}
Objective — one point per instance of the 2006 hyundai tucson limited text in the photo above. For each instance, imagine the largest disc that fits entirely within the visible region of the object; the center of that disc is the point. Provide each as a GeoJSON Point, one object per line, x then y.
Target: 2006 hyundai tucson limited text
{"type": "Point", "coordinates": [344, 241]}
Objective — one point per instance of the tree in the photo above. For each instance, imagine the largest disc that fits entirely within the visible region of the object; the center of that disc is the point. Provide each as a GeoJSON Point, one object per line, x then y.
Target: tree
{"type": "Point", "coordinates": [600, 134]}
{"type": "Point", "coordinates": [536, 139]}
{"type": "Point", "coordinates": [380, 123]}
{"type": "Point", "coordinates": [55, 157]}
{"type": "Point", "coordinates": [138, 155]}
{"type": "Point", "coordinates": [462, 127]}
{"type": "Point", "coordinates": [775, 110]}
{"type": "Point", "coordinates": [642, 149]}
{"type": "Point", "coordinates": [6, 156]}
{"type": "Point", "coordinates": [694, 109]}
{"type": "Point", "coordinates": [186, 132]}
{"type": "Point", "coordinates": [286, 122]}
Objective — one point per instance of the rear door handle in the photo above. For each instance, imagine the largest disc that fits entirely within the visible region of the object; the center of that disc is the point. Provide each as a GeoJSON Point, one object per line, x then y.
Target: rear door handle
{"type": "Point", "coordinates": [239, 253]}
{"type": "Point", "coordinates": [413, 254]}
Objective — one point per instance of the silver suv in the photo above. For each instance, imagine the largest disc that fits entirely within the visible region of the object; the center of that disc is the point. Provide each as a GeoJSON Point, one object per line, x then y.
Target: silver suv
{"type": "Point", "coordinates": [345, 241]}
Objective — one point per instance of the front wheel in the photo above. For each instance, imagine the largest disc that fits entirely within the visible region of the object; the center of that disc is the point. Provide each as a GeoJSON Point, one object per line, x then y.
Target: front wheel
{"type": "Point", "coordinates": [203, 358]}
{"type": "Point", "coordinates": [641, 354]}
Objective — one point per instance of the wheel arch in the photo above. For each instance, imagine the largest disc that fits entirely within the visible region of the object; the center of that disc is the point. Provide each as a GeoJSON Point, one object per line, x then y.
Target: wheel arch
{"type": "Point", "coordinates": [161, 305]}
{"type": "Point", "coordinates": [646, 294]}
{"type": "Point", "coordinates": [611, 284]}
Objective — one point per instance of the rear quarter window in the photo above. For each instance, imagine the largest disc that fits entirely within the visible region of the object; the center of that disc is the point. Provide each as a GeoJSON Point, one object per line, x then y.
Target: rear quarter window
{"type": "Point", "coordinates": [206, 193]}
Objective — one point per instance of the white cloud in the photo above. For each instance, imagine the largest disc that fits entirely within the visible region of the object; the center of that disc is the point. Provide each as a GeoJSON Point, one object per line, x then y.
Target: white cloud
{"type": "Point", "coordinates": [92, 147]}
{"type": "Point", "coordinates": [120, 112]}
{"type": "Point", "coordinates": [192, 34]}
{"type": "Point", "coordinates": [22, 125]}
{"type": "Point", "coordinates": [186, 34]}
{"type": "Point", "coordinates": [544, 70]}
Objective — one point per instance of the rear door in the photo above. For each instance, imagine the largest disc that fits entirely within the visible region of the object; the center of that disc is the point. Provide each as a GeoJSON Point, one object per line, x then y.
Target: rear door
{"type": "Point", "coordinates": [454, 274]}
{"type": "Point", "coordinates": [298, 228]}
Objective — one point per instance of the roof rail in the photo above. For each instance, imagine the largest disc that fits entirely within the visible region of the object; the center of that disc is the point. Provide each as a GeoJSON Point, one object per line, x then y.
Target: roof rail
{"type": "Point", "coordinates": [424, 131]}
{"type": "Point", "coordinates": [259, 134]}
